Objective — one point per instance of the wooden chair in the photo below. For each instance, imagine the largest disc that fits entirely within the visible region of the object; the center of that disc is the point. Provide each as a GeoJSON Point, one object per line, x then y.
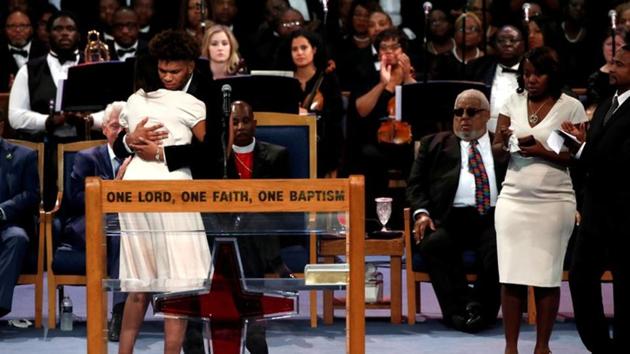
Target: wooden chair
{"type": "Point", "coordinates": [4, 114]}
{"type": "Point", "coordinates": [33, 270]}
{"type": "Point", "coordinates": [531, 301]}
{"type": "Point", "coordinates": [298, 134]}
{"type": "Point", "coordinates": [415, 277]}
{"type": "Point", "coordinates": [65, 158]}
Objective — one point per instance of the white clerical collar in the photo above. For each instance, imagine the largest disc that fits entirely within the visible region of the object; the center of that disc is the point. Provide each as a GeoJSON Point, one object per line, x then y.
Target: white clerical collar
{"type": "Point", "coordinates": [244, 149]}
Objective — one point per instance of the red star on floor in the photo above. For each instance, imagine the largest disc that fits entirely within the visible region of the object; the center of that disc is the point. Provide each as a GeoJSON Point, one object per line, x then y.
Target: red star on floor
{"type": "Point", "coordinates": [227, 304]}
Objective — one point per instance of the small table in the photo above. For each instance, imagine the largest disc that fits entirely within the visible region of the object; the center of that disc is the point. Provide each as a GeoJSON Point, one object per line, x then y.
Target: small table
{"type": "Point", "coordinates": [394, 248]}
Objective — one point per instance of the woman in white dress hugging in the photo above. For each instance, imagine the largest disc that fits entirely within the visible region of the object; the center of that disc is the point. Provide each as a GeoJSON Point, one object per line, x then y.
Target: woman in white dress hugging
{"type": "Point", "coordinates": [535, 211]}
{"type": "Point", "coordinates": [162, 251]}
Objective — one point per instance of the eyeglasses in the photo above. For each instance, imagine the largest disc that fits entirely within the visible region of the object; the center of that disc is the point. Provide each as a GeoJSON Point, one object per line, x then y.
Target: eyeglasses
{"type": "Point", "coordinates": [470, 112]}
{"type": "Point", "coordinates": [22, 27]}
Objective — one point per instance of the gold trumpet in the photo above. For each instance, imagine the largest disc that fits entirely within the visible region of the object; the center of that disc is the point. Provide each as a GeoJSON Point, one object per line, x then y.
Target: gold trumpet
{"type": "Point", "coordinates": [95, 50]}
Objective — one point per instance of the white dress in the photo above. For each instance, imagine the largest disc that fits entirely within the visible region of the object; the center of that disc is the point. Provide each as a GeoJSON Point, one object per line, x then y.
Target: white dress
{"type": "Point", "coordinates": [535, 211]}
{"type": "Point", "coordinates": [162, 251]}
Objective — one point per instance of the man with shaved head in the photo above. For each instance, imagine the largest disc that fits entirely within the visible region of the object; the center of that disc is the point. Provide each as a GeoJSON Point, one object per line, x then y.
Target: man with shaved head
{"type": "Point", "coordinates": [452, 189]}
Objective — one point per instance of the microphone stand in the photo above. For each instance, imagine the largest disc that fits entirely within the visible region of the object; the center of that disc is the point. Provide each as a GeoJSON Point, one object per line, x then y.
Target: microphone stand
{"type": "Point", "coordinates": [526, 30]}
{"type": "Point", "coordinates": [463, 40]}
{"type": "Point", "coordinates": [427, 28]}
{"type": "Point", "coordinates": [613, 34]}
{"type": "Point", "coordinates": [484, 27]}
{"type": "Point", "coordinates": [225, 117]}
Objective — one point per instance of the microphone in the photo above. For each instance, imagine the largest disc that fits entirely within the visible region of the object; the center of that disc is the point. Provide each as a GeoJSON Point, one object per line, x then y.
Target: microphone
{"type": "Point", "coordinates": [526, 7]}
{"type": "Point", "coordinates": [203, 10]}
{"type": "Point", "coordinates": [613, 19]}
{"type": "Point", "coordinates": [226, 90]}
{"type": "Point", "coordinates": [427, 6]}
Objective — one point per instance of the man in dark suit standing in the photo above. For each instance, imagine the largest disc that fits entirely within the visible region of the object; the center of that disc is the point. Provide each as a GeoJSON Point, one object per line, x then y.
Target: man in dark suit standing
{"type": "Point", "coordinates": [452, 188]}
{"type": "Point", "coordinates": [19, 201]}
{"type": "Point", "coordinates": [178, 73]}
{"type": "Point", "coordinates": [602, 242]}
{"type": "Point", "coordinates": [20, 47]}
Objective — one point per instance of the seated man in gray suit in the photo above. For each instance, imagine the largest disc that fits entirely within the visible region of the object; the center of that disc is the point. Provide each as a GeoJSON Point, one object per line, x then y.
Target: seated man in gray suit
{"type": "Point", "coordinates": [453, 187]}
{"type": "Point", "coordinates": [19, 202]}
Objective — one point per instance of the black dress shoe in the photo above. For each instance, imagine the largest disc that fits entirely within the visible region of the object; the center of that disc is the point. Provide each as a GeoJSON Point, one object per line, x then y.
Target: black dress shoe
{"type": "Point", "coordinates": [113, 330]}
{"type": "Point", "coordinates": [474, 320]}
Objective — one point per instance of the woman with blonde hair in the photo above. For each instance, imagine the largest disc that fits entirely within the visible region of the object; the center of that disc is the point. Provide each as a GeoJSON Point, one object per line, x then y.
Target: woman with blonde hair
{"type": "Point", "coordinates": [221, 48]}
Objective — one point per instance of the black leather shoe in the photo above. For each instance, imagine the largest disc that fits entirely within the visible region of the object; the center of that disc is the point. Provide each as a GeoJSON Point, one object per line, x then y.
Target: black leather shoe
{"type": "Point", "coordinates": [113, 330]}
{"type": "Point", "coordinates": [474, 320]}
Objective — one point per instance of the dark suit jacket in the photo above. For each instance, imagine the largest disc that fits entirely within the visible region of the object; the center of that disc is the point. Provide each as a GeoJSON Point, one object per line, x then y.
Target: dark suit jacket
{"type": "Point", "coordinates": [435, 175]}
{"type": "Point", "coordinates": [270, 161]}
{"type": "Point", "coordinates": [606, 162]}
{"type": "Point", "coordinates": [483, 69]}
{"type": "Point", "coordinates": [90, 162]}
{"type": "Point", "coordinates": [19, 185]}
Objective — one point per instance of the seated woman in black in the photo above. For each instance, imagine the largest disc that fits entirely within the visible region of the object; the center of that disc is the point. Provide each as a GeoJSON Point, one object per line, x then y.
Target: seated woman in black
{"type": "Point", "coordinates": [320, 95]}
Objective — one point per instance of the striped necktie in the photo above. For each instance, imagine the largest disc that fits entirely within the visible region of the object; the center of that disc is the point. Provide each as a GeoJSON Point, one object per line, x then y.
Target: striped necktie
{"type": "Point", "coordinates": [611, 111]}
{"type": "Point", "coordinates": [482, 185]}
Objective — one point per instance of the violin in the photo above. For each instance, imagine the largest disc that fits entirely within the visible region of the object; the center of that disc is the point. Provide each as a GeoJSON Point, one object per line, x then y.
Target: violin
{"type": "Point", "coordinates": [393, 131]}
{"type": "Point", "coordinates": [314, 101]}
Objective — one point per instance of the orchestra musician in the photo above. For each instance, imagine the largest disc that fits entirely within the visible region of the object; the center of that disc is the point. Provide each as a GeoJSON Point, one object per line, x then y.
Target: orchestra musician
{"type": "Point", "coordinates": [320, 95]}
{"type": "Point", "coordinates": [368, 106]}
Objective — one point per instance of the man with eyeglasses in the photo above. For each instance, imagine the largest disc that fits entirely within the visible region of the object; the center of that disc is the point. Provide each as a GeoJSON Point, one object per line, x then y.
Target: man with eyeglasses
{"type": "Point", "coordinates": [125, 29]}
{"type": "Point", "coordinates": [272, 45]}
{"type": "Point", "coordinates": [20, 47]}
{"type": "Point", "coordinates": [500, 70]}
{"type": "Point", "coordinates": [452, 189]}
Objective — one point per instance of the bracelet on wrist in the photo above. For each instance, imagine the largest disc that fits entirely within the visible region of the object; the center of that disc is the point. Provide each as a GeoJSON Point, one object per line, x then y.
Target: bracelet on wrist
{"type": "Point", "coordinates": [157, 155]}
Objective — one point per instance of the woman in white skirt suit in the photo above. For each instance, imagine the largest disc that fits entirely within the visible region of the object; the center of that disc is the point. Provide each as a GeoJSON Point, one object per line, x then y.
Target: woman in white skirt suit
{"type": "Point", "coordinates": [535, 211]}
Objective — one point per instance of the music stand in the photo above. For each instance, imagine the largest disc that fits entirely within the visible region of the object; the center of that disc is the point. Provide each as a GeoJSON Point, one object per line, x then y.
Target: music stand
{"type": "Point", "coordinates": [91, 87]}
{"type": "Point", "coordinates": [428, 106]}
{"type": "Point", "coordinates": [263, 93]}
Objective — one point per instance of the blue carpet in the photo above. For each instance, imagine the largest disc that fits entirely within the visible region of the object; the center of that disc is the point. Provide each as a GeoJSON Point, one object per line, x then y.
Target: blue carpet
{"type": "Point", "coordinates": [290, 336]}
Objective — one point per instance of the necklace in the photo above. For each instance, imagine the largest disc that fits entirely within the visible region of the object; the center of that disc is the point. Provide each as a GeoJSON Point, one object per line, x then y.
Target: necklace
{"type": "Point", "coordinates": [242, 164]}
{"type": "Point", "coordinates": [578, 36]}
{"type": "Point", "coordinates": [533, 118]}
{"type": "Point", "coordinates": [477, 55]}
{"type": "Point", "coordinates": [360, 39]}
